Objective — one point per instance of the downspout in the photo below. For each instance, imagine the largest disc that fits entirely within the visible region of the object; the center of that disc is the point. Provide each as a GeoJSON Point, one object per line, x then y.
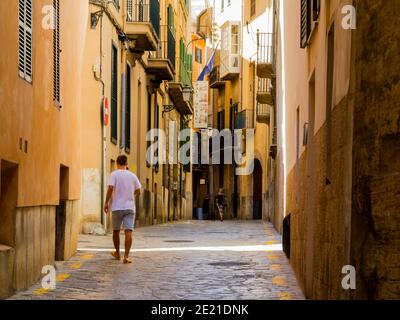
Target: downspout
{"type": "Point", "coordinates": [104, 131]}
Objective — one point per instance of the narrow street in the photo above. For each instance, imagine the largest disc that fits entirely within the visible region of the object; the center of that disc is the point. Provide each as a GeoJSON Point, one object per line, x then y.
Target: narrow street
{"type": "Point", "coordinates": [184, 260]}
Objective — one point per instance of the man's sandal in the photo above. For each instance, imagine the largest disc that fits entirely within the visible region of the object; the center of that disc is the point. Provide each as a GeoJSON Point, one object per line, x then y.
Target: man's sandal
{"type": "Point", "coordinates": [127, 260]}
{"type": "Point", "coordinates": [116, 255]}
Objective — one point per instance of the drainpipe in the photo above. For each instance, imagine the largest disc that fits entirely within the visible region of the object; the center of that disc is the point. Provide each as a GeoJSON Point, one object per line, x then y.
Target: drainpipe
{"type": "Point", "coordinates": [104, 129]}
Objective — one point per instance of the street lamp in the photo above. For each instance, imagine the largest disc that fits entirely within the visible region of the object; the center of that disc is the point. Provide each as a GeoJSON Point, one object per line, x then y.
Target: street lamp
{"type": "Point", "coordinates": [186, 93]}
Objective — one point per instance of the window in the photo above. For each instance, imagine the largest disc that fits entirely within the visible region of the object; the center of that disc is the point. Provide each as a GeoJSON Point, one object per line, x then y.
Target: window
{"type": "Point", "coordinates": [230, 49]}
{"type": "Point", "coordinates": [25, 39]}
{"type": "Point", "coordinates": [252, 7]}
{"type": "Point", "coordinates": [199, 55]}
{"type": "Point", "coordinates": [229, 3]}
{"type": "Point", "coordinates": [114, 95]}
{"type": "Point", "coordinates": [310, 10]}
{"type": "Point", "coordinates": [222, 5]}
{"type": "Point", "coordinates": [56, 53]}
{"type": "Point", "coordinates": [128, 110]}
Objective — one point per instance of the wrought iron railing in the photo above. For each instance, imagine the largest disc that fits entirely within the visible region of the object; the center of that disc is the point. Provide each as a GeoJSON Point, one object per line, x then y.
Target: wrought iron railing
{"type": "Point", "coordinates": [244, 119]}
{"type": "Point", "coordinates": [167, 46]}
{"type": "Point", "coordinates": [144, 11]}
{"type": "Point", "coordinates": [215, 75]}
{"type": "Point", "coordinates": [263, 110]}
{"type": "Point", "coordinates": [265, 85]}
{"type": "Point", "coordinates": [265, 53]}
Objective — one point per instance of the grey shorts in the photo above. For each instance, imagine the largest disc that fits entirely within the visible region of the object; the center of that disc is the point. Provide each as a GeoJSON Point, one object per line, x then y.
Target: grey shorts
{"type": "Point", "coordinates": [126, 218]}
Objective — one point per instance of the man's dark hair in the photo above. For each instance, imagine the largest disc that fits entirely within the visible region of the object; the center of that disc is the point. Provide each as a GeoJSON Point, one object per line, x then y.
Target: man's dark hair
{"type": "Point", "coordinates": [122, 160]}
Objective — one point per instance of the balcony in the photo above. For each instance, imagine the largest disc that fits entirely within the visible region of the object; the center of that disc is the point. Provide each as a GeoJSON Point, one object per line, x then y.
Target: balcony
{"type": "Point", "coordinates": [215, 78]}
{"type": "Point", "coordinates": [143, 24]}
{"type": "Point", "coordinates": [175, 89]}
{"type": "Point", "coordinates": [265, 55]}
{"type": "Point", "coordinates": [263, 114]}
{"type": "Point", "coordinates": [244, 119]}
{"type": "Point", "coordinates": [265, 92]}
{"type": "Point", "coordinates": [161, 64]}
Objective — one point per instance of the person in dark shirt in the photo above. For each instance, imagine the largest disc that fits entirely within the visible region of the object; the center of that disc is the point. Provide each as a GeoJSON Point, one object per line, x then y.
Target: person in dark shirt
{"type": "Point", "coordinates": [220, 201]}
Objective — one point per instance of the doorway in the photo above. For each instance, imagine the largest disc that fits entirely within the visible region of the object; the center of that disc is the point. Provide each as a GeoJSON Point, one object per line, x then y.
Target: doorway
{"type": "Point", "coordinates": [8, 201]}
{"type": "Point", "coordinates": [257, 190]}
{"type": "Point", "coordinates": [61, 214]}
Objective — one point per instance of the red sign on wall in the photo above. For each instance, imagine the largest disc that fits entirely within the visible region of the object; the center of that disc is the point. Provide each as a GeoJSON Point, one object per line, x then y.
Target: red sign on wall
{"type": "Point", "coordinates": [106, 111]}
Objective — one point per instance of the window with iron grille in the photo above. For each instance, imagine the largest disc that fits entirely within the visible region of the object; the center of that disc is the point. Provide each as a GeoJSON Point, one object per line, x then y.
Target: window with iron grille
{"type": "Point", "coordinates": [309, 11]}
{"type": "Point", "coordinates": [56, 52]}
{"type": "Point", "coordinates": [25, 39]}
{"type": "Point", "coordinates": [114, 95]}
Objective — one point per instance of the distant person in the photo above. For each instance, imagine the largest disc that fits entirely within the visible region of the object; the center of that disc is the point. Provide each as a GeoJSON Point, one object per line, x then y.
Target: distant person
{"type": "Point", "coordinates": [123, 186]}
{"type": "Point", "coordinates": [221, 203]}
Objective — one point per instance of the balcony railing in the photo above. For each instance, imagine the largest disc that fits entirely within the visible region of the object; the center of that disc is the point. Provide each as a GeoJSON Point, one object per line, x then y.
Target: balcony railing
{"type": "Point", "coordinates": [215, 78]}
{"type": "Point", "coordinates": [166, 49]}
{"type": "Point", "coordinates": [265, 54]}
{"type": "Point", "coordinates": [144, 11]}
{"type": "Point", "coordinates": [263, 113]}
{"type": "Point", "coordinates": [244, 119]}
{"type": "Point", "coordinates": [265, 86]}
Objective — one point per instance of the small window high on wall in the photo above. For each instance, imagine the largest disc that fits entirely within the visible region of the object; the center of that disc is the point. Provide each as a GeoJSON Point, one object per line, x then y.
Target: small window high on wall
{"type": "Point", "coordinates": [25, 39]}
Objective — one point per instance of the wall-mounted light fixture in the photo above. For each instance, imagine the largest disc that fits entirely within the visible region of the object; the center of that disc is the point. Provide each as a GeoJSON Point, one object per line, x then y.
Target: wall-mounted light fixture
{"type": "Point", "coordinates": [94, 18]}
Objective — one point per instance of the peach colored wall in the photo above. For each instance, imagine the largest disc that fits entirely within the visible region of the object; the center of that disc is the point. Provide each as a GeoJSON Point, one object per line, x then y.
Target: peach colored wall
{"type": "Point", "coordinates": [28, 110]}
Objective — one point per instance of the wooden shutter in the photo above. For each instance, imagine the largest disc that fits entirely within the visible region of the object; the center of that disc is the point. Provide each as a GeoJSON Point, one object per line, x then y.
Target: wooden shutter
{"type": "Point", "coordinates": [25, 39]}
{"type": "Point", "coordinates": [21, 38]}
{"type": "Point", "coordinates": [128, 110]}
{"type": "Point", "coordinates": [304, 26]}
{"type": "Point", "coordinates": [56, 52]}
{"type": "Point", "coordinates": [114, 95]}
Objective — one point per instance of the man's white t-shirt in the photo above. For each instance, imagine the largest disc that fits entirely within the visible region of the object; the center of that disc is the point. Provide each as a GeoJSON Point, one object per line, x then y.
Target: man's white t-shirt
{"type": "Point", "coordinates": [125, 184]}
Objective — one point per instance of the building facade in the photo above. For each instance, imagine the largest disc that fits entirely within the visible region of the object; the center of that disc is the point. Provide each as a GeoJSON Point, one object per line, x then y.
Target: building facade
{"type": "Point", "coordinates": [241, 99]}
{"type": "Point", "coordinates": [40, 164]}
{"type": "Point", "coordinates": [337, 171]}
{"type": "Point", "coordinates": [136, 59]}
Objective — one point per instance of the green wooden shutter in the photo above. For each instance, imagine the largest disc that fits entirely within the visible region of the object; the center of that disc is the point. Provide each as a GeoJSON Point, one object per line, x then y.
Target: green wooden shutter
{"type": "Point", "coordinates": [114, 96]}
{"type": "Point", "coordinates": [128, 110]}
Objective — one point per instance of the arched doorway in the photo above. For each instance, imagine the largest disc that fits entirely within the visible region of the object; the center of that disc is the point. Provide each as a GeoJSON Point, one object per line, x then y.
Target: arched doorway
{"type": "Point", "coordinates": [257, 190]}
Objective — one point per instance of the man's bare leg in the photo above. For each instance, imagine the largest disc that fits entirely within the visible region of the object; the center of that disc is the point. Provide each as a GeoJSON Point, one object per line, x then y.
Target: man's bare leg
{"type": "Point", "coordinates": [128, 245]}
{"type": "Point", "coordinates": [116, 254]}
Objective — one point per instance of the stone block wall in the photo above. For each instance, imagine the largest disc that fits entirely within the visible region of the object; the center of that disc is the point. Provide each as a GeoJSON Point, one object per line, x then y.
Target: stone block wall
{"type": "Point", "coordinates": [375, 247]}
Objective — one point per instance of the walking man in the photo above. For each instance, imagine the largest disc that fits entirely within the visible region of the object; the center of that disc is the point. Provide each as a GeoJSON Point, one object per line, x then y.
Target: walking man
{"type": "Point", "coordinates": [123, 186]}
{"type": "Point", "coordinates": [221, 203]}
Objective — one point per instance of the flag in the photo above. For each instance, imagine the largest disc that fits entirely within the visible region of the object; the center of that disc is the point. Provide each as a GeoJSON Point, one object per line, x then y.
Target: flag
{"type": "Point", "coordinates": [208, 68]}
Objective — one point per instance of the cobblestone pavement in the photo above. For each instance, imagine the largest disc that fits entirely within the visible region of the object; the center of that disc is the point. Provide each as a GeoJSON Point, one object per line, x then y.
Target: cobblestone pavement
{"type": "Point", "coordinates": [206, 260]}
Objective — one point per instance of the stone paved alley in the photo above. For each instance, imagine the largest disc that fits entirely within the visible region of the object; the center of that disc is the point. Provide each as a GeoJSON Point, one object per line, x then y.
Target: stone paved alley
{"type": "Point", "coordinates": [184, 260]}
